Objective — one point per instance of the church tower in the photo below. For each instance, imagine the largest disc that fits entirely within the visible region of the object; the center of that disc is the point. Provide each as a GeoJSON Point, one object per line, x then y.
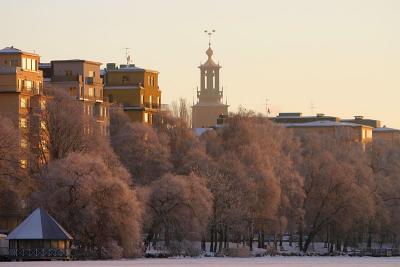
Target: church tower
{"type": "Point", "coordinates": [209, 104]}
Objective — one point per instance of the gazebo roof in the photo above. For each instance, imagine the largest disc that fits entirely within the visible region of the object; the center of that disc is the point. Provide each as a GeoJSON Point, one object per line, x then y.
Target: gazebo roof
{"type": "Point", "coordinates": [39, 225]}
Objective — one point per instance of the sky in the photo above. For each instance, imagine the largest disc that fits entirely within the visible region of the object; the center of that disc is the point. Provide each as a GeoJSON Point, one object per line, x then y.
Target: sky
{"type": "Point", "coordinates": [340, 56]}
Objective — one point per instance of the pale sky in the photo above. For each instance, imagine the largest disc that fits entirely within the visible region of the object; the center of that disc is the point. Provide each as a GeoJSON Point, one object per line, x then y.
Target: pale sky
{"type": "Point", "coordinates": [342, 55]}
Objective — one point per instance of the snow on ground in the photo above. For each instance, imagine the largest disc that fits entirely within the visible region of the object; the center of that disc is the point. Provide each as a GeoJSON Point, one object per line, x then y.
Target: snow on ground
{"type": "Point", "coordinates": [217, 262]}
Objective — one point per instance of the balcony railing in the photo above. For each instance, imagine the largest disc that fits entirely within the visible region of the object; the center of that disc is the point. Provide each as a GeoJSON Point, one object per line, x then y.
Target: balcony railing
{"type": "Point", "coordinates": [30, 90]}
{"type": "Point", "coordinates": [39, 253]}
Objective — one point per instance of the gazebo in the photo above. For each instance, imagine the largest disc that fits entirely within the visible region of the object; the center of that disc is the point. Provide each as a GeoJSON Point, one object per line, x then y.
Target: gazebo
{"type": "Point", "coordinates": [39, 237]}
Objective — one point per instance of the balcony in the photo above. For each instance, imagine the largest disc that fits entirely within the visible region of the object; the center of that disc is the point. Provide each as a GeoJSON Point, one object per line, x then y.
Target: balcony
{"type": "Point", "coordinates": [151, 105]}
{"type": "Point", "coordinates": [92, 98]}
{"type": "Point", "coordinates": [30, 90]}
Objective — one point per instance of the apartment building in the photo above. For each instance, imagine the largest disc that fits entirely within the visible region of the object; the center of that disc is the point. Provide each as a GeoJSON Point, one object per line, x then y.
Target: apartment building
{"type": "Point", "coordinates": [81, 80]}
{"type": "Point", "coordinates": [22, 100]}
{"type": "Point", "coordinates": [136, 89]}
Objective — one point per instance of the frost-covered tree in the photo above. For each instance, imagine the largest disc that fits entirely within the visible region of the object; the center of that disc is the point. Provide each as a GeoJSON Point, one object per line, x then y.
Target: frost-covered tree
{"type": "Point", "coordinates": [94, 203]}
{"type": "Point", "coordinates": [143, 151]}
{"type": "Point", "coordinates": [178, 208]}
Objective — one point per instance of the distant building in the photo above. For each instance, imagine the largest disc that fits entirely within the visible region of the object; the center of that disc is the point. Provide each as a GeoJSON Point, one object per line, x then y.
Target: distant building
{"type": "Point", "coordinates": [386, 134]}
{"type": "Point", "coordinates": [39, 237]}
{"type": "Point", "coordinates": [361, 120]}
{"type": "Point", "coordinates": [136, 89]}
{"type": "Point", "coordinates": [209, 105]}
{"type": "Point", "coordinates": [297, 117]}
{"type": "Point", "coordinates": [351, 131]}
{"type": "Point", "coordinates": [81, 80]}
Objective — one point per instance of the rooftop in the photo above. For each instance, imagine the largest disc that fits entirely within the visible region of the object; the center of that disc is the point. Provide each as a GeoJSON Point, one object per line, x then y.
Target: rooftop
{"type": "Point", "coordinates": [325, 124]}
{"type": "Point", "coordinates": [12, 51]}
{"type": "Point", "coordinates": [112, 67]}
{"type": "Point", "coordinates": [386, 129]}
{"type": "Point", "coordinates": [39, 225]}
{"type": "Point", "coordinates": [76, 61]}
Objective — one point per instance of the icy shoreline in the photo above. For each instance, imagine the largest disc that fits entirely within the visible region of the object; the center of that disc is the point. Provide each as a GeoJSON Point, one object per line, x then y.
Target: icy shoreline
{"type": "Point", "coordinates": [278, 261]}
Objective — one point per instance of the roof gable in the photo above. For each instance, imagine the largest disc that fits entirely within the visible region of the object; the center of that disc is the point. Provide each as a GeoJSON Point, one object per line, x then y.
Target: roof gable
{"type": "Point", "coordinates": [39, 225]}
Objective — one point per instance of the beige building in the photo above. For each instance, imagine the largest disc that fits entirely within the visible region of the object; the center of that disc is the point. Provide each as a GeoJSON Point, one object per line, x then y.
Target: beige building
{"type": "Point", "coordinates": [209, 106]}
{"type": "Point", "coordinates": [81, 80]}
{"type": "Point", "coordinates": [297, 117]}
{"type": "Point", "coordinates": [136, 89]}
{"type": "Point", "coordinates": [386, 134]}
{"type": "Point", "coordinates": [351, 131]}
{"type": "Point", "coordinates": [22, 100]}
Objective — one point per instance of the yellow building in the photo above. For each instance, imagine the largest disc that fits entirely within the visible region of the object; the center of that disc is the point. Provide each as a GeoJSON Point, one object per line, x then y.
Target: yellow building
{"type": "Point", "coordinates": [80, 79]}
{"type": "Point", "coordinates": [350, 131]}
{"type": "Point", "coordinates": [136, 89]}
{"type": "Point", "coordinates": [22, 99]}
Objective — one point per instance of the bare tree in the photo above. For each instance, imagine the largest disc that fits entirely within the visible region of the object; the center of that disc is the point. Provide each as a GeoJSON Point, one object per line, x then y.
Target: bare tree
{"type": "Point", "coordinates": [96, 205]}
{"type": "Point", "coordinates": [142, 151]}
{"type": "Point", "coordinates": [178, 207]}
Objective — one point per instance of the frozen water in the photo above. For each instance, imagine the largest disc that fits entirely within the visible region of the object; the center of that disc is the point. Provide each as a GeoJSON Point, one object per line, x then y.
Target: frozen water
{"type": "Point", "coordinates": [216, 262]}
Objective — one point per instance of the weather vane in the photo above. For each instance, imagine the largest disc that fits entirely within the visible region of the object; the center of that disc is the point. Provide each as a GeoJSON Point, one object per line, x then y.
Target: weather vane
{"type": "Point", "coordinates": [209, 33]}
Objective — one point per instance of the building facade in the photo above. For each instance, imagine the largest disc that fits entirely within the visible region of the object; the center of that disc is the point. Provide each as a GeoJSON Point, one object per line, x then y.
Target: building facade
{"type": "Point", "coordinates": [22, 100]}
{"type": "Point", "coordinates": [81, 80]}
{"type": "Point", "coordinates": [134, 88]}
{"type": "Point", "coordinates": [387, 134]}
{"type": "Point", "coordinates": [209, 106]}
{"type": "Point", "coordinates": [350, 131]}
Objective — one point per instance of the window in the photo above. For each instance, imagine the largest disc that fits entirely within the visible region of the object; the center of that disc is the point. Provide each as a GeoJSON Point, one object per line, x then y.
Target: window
{"type": "Point", "coordinates": [42, 104]}
{"type": "Point", "coordinates": [23, 163]}
{"type": "Point", "coordinates": [152, 81]}
{"type": "Point", "coordinates": [91, 91]}
{"type": "Point", "coordinates": [125, 79]}
{"type": "Point", "coordinates": [24, 103]}
{"type": "Point", "coordinates": [29, 64]}
{"type": "Point", "coordinates": [141, 99]}
{"type": "Point", "coordinates": [146, 117]}
{"type": "Point", "coordinates": [150, 99]}
{"type": "Point", "coordinates": [68, 73]}
{"type": "Point", "coordinates": [23, 123]}
{"type": "Point", "coordinates": [43, 145]}
{"type": "Point", "coordinates": [148, 80]}
{"type": "Point", "coordinates": [23, 143]}
{"type": "Point", "coordinates": [91, 73]}
{"type": "Point", "coordinates": [34, 65]}
{"type": "Point", "coordinates": [24, 63]}
{"type": "Point", "coordinates": [158, 100]}
{"type": "Point", "coordinates": [43, 125]}
{"type": "Point", "coordinates": [28, 85]}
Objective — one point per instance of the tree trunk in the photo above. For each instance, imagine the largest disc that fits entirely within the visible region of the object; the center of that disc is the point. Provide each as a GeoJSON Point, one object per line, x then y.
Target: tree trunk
{"type": "Point", "coordinates": [301, 240]}
{"type": "Point", "coordinates": [212, 239]}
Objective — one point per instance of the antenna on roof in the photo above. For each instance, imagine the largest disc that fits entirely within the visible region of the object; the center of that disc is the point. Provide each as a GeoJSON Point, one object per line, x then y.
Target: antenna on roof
{"type": "Point", "coordinates": [312, 107]}
{"type": "Point", "coordinates": [267, 110]}
{"type": "Point", "coordinates": [209, 33]}
{"type": "Point", "coordinates": [127, 56]}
